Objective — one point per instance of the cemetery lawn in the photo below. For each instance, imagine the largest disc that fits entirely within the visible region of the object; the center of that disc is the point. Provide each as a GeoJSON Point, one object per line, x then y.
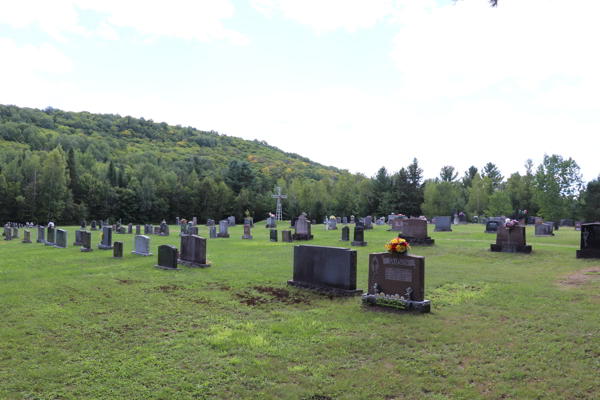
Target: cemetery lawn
{"type": "Point", "coordinates": [503, 326]}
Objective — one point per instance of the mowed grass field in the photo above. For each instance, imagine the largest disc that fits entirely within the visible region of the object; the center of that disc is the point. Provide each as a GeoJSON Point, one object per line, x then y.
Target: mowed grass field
{"type": "Point", "coordinates": [79, 325]}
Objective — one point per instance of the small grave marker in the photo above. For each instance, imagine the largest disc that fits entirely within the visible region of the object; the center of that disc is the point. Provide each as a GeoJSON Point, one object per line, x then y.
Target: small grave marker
{"type": "Point", "coordinates": [118, 250]}
{"type": "Point", "coordinates": [167, 257]}
{"type": "Point", "coordinates": [142, 245]}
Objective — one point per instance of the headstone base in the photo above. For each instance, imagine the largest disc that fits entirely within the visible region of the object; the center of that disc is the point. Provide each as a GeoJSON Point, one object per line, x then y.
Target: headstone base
{"type": "Point", "coordinates": [77, 244]}
{"type": "Point", "coordinates": [587, 254]}
{"type": "Point", "coordinates": [40, 241]}
{"type": "Point", "coordinates": [193, 264]}
{"type": "Point", "coordinates": [105, 247]}
{"type": "Point", "coordinates": [48, 244]}
{"type": "Point", "coordinates": [332, 229]}
{"type": "Point", "coordinates": [369, 301]}
{"type": "Point", "coordinates": [85, 249]}
{"type": "Point", "coordinates": [544, 235]}
{"type": "Point", "coordinates": [462, 223]}
{"type": "Point", "coordinates": [94, 229]}
{"type": "Point", "coordinates": [170, 269]}
{"type": "Point", "coordinates": [302, 236]}
{"type": "Point", "coordinates": [510, 248]}
{"type": "Point", "coordinates": [141, 254]}
{"type": "Point", "coordinates": [223, 236]}
{"type": "Point", "coordinates": [362, 244]}
{"type": "Point", "coordinates": [366, 228]}
{"type": "Point", "coordinates": [420, 242]}
{"type": "Point", "coordinates": [325, 289]}
{"type": "Point", "coordinates": [58, 247]}
{"type": "Point", "coordinates": [490, 231]}
{"type": "Point", "coordinates": [7, 238]}
{"type": "Point", "coordinates": [246, 237]}
{"type": "Point", "coordinates": [442, 230]}
{"type": "Point", "coordinates": [25, 241]}
{"type": "Point", "coordinates": [165, 234]}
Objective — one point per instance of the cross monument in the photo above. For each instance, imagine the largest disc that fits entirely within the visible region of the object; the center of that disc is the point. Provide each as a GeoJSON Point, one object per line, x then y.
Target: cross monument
{"type": "Point", "coordinates": [279, 196]}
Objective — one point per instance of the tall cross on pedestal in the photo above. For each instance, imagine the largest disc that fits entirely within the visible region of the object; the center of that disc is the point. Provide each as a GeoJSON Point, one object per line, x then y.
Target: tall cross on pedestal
{"type": "Point", "coordinates": [279, 196]}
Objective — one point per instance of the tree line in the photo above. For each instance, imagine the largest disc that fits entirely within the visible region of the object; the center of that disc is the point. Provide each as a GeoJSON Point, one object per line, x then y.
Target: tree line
{"type": "Point", "coordinates": [68, 167]}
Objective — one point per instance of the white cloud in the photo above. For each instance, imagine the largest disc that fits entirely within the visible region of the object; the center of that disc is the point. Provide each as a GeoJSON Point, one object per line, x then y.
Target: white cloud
{"type": "Point", "coordinates": [329, 15]}
{"type": "Point", "coordinates": [185, 19]}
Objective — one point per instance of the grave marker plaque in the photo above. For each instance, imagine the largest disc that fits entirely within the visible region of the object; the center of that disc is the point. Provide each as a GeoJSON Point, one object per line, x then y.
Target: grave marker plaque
{"type": "Point", "coordinates": [130, 228]}
{"type": "Point", "coordinates": [41, 235]}
{"type": "Point", "coordinates": [157, 230]}
{"type": "Point", "coordinates": [167, 257]}
{"type": "Point", "coordinates": [193, 252]}
{"type": "Point", "coordinates": [345, 234]}
{"type": "Point", "coordinates": [327, 269]}
{"type": "Point", "coordinates": [359, 237]}
{"type": "Point", "coordinates": [286, 236]}
{"type": "Point", "coordinates": [94, 225]}
{"type": "Point", "coordinates": [544, 230]}
{"type": "Point", "coordinates": [273, 235]}
{"type": "Point", "coordinates": [61, 239]}
{"type": "Point", "coordinates": [397, 280]}
{"type": "Point", "coordinates": [137, 230]}
{"type": "Point", "coordinates": [142, 245]}
{"type": "Point", "coordinates": [590, 241]}
{"type": "Point", "coordinates": [492, 227]}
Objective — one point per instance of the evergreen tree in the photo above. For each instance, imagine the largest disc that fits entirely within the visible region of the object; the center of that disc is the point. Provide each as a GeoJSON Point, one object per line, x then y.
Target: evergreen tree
{"type": "Point", "coordinates": [72, 167]}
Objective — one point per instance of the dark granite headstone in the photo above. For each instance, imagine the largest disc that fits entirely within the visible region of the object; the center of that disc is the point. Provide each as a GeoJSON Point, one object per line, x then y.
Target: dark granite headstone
{"type": "Point", "coordinates": [101, 224]}
{"type": "Point", "coordinates": [443, 224]}
{"type": "Point", "coordinates": [566, 222]}
{"type": "Point", "coordinates": [164, 229]}
{"type": "Point", "coordinates": [293, 222]}
{"type": "Point", "coordinates": [86, 238]}
{"type": "Point", "coordinates": [83, 225]}
{"type": "Point", "coordinates": [78, 238]}
{"type": "Point", "coordinates": [118, 250]}
{"type": "Point", "coordinates": [544, 230]}
{"type": "Point", "coordinates": [157, 230]}
{"type": "Point", "coordinates": [286, 236]}
{"type": "Point", "coordinates": [183, 229]}
{"type": "Point", "coordinates": [167, 257]}
{"type": "Point", "coordinates": [61, 239]}
{"type": "Point", "coordinates": [590, 241]}
{"type": "Point", "coordinates": [130, 228]}
{"type": "Point", "coordinates": [94, 225]}
{"type": "Point", "coordinates": [50, 236]}
{"type": "Point", "coordinates": [511, 240]}
{"type": "Point", "coordinates": [106, 239]}
{"type": "Point", "coordinates": [368, 222]}
{"type": "Point", "coordinates": [137, 230]}
{"type": "Point", "coordinates": [345, 234]}
{"type": "Point", "coordinates": [176, 220]}
{"type": "Point", "coordinates": [142, 245]}
{"type": "Point", "coordinates": [492, 227]}
{"type": "Point", "coordinates": [345, 220]}
{"type": "Point", "coordinates": [273, 235]}
{"type": "Point", "coordinates": [328, 269]}
{"type": "Point", "coordinates": [397, 281]}
{"type": "Point", "coordinates": [193, 252]}
{"type": "Point", "coordinates": [530, 220]}
{"type": "Point", "coordinates": [41, 235]}
{"type": "Point", "coordinates": [359, 237]}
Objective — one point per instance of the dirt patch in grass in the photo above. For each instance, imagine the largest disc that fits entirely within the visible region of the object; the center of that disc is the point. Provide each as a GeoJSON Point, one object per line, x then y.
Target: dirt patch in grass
{"type": "Point", "coordinates": [318, 397]}
{"type": "Point", "coordinates": [580, 277]}
{"type": "Point", "coordinates": [271, 295]}
{"type": "Point", "coordinates": [169, 288]}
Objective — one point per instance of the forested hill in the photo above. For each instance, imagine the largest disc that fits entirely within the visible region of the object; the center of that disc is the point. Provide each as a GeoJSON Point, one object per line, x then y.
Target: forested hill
{"type": "Point", "coordinates": [135, 169]}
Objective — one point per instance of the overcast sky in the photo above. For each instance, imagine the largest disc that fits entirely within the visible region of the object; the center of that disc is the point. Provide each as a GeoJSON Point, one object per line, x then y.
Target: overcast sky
{"type": "Point", "coordinates": [349, 83]}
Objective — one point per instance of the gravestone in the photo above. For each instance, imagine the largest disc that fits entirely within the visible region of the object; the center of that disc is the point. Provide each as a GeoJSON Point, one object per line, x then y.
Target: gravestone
{"type": "Point", "coordinates": [456, 219]}
{"type": "Point", "coordinates": [210, 222]}
{"type": "Point", "coordinates": [101, 224]}
{"type": "Point", "coordinates": [352, 219]}
{"type": "Point", "coordinates": [212, 232]}
{"type": "Point", "coordinates": [273, 235]}
{"type": "Point", "coordinates": [379, 222]}
{"type": "Point", "coordinates": [590, 241]}
{"type": "Point", "coordinates": [368, 222]}
{"type": "Point", "coordinates": [194, 221]}
{"type": "Point", "coordinates": [192, 230]}
{"type": "Point", "coordinates": [157, 230]}
{"type": "Point", "coordinates": [345, 234]}
{"type": "Point", "coordinates": [50, 236]}
{"type": "Point", "coordinates": [414, 231]}
{"type": "Point", "coordinates": [41, 235]}
{"type": "Point", "coordinates": [556, 225]}
{"type": "Point", "coordinates": [15, 233]}
{"type": "Point", "coordinates": [359, 237]}
{"type": "Point", "coordinates": [167, 257]}
{"type": "Point", "coordinates": [122, 230]}
{"type": "Point", "coordinates": [231, 221]}
{"type": "Point", "coordinates": [26, 236]}
{"type": "Point", "coordinates": [332, 225]}
{"type": "Point", "coordinates": [114, 228]}
{"type": "Point", "coordinates": [137, 230]}
{"type": "Point", "coordinates": [293, 222]}
{"type": "Point", "coordinates": [7, 232]}
{"type": "Point", "coordinates": [462, 219]}
{"type": "Point", "coordinates": [397, 281]}
{"type": "Point", "coordinates": [338, 220]}
{"type": "Point", "coordinates": [118, 250]}
{"type": "Point", "coordinates": [530, 220]}
{"type": "Point", "coordinates": [492, 227]}
{"type": "Point", "coordinates": [566, 222]}
{"type": "Point", "coordinates": [539, 220]}
{"type": "Point", "coordinates": [78, 238]}
{"type": "Point", "coordinates": [544, 230]}
{"type": "Point", "coordinates": [327, 269]}
{"type": "Point", "coordinates": [249, 221]}
{"type": "Point", "coordinates": [130, 228]}
{"type": "Point", "coordinates": [83, 225]}
{"type": "Point", "coordinates": [164, 229]}
{"type": "Point", "coordinates": [271, 223]}
{"type": "Point", "coordinates": [511, 240]}
{"type": "Point", "coordinates": [286, 236]}
{"type": "Point", "coordinates": [142, 246]}
{"type": "Point", "coordinates": [193, 252]}
{"type": "Point", "coordinates": [314, 222]}
{"type": "Point", "coordinates": [94, 225]}
{"type": "Point", "coordinates": [183, 229]}
{"type": "Point", "coordinates": [176, 220]}
{"type": "Point", "coordinates": [475, 219]}
{"type": "Point", "coordinates": [443, 224]}
{"type": "Point", "coordinates": [247, 232]}
{"type": "Point", "coordinates": [303, 229]}
{"type": "Point", "coordinates": [61, 239]}
{"type": "Point", "coordinates": [106, 243]}
{"type": "Point", "coordinates": [577, 225]}
{"type": "Point", "coordinates": [345, 220]}
{"type": "Point", "coordinates": [223, 229]}
{"type": "Point", "coordinates": [86, 238]}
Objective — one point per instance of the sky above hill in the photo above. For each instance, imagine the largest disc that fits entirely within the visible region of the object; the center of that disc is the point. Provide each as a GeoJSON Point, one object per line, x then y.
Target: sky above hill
{"type": "Point", "coordinates": [349, 83]}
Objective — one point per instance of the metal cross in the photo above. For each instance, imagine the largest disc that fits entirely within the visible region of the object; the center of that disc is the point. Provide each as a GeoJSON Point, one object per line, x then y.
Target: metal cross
{"type": "Point", "coordinates": [279, 196]}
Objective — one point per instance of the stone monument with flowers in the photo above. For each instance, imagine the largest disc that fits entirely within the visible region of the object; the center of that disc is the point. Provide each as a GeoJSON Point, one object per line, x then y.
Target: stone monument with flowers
{"type": "Point", "coordinates": [511, 238]}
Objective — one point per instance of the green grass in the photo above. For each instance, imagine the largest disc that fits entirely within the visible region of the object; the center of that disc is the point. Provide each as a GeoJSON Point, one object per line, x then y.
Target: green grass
{"type": "Point", "coordinates": [84, 325]}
